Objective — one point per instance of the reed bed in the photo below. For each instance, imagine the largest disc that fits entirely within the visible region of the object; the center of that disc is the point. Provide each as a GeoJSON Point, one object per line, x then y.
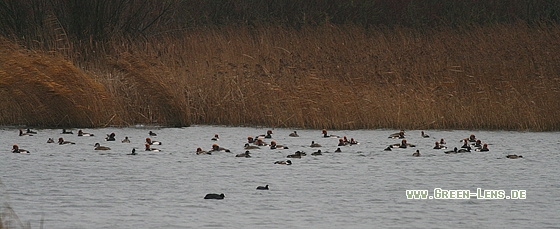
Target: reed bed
{"type": "Point", "coordinates": [503, 76]}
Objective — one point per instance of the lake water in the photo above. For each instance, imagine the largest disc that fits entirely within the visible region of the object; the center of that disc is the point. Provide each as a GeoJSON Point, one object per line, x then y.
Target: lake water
{"type": "Point", "coordinates": [75, 186]}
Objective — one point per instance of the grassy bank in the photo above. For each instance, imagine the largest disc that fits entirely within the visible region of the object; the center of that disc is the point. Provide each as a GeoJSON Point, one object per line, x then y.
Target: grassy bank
{"type": "Point", "coordinates": [503, 76]}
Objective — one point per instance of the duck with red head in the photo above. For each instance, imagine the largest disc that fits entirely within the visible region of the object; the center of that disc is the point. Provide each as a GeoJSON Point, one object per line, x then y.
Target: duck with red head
{"type": "Point", "coordinates": [341, 142]}
{"type": "Point", "coordinates": [149, 141]}
{"type": "Point", "coordinates": [326, 135]}
{"type": "Point", "coordinates": [483, 149]}
{"type": "Point", "coordinates": [439, 146]}
{"type": "Point", "coordinates": [149, 148]}
{"type": "Point", "coordinates": [199, 151]}
{"type": "Point", "coordinates": [353, 142]}
{"type": "Point", "coordinates": [215, 138]}
{"type": "Point", "coordinates": [16, 149]}
{"type": "Point", "coordinates": [216, 147]}
{"type": "Point", "coordinates": [273, 145]}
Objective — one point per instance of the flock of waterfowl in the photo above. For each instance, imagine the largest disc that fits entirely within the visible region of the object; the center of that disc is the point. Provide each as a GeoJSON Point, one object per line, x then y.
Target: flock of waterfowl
{"type": "Point", "coordinates": [469, 144]}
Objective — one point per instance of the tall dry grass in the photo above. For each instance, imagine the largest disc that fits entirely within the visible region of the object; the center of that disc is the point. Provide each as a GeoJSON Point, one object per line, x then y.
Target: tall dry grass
{"type": "Point", "coordinates": [340, 77]}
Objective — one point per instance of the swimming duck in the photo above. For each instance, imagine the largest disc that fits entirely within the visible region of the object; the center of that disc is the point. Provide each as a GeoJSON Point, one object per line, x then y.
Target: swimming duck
{"type": "Point", "coordinates": [149, 148]}
{"type": "Point", "coordinates": [262, 187]}
{"type": "Point", "coordinates": [260, 142]}
{"type": "Point", "coordinates": [133, 152]}
{"type": "Point", "coordinates": [149, 141]}
{"type": "Point", "coordinates": [267, 135]}
{"type": "Point", "coordinates": [250, 139]}
{"type": "Point", "coordinates": [199, 151]}
{"type": "Point", "coordinates": [110, 137]}
{"type": "Point", "coordinates": [287, 162]}
{"type": "Point", "coordinates": [464, 150]}
{"type": "Point", "coordinates": [215, 147]}
{"type": "Point", "coordinates": [478, 144]}
{"type": "Point", "coordinates": [62, 142]}
{"type": "Point", "coordinates": [214, 196]}
{"type": "Point", "coordinates": [514, 156]}
{"type": "Point", "coordinates": [466, 145]}
{"type": "Point", "coordinates": [353, 142]}
{"type": "Point", "coordinates": [483, 149]}
{"type": "Point", "coordinates": [416, 154]}
{"type": "Point", "coordinates": [81, 133]}
{"type": "Point", "coordinates": [126, 140]}
{"type": "Point", "coordinates": [294, 134]}
{"type": "Point", "coordinates": [326, 135]}
{"type": "Point", "coordinates": [246, 154]}
{"type": "Point", "coordinates": [29, 131]}
{"type": "Point", "coordinates": [24, 134]}
{"type": "Point", "coordinates": [66, 132]}
{"type": "Point", "coordinates": [247, 146]}
{"type": "Point", "coordinates": [215, 138]}
{"type": "Point", "coordinates": [295, 155]}
{"type": "Point", "coordinates": [317, 153]}
{"type": "Point", "coordinates": [16, 149]}
{"type": "Point", "coordinates": [273, 145]}
{"type": "Point", "coordinates": [472, 138]}
{"type": "Point", "coordinates": [100, 147]}
{"type": "Point", "coordinates": [451, 151]}
{"type": "Point", "coordinates": [338, 150]}
{"type": "Point", "coordinates": [442, 142]}
{"type": "Point", "coordinates": [400, 134]}
{"type": "Point", "coordinates": [341, 142]}
{"type": "Point", "coordinates": [438, 146]}
{"type": "Point", "coordinates": [404, 144]}
{"type": "Point", "coordinates": [425, 135]}
{"type": "Point", "coordinates": [50, 140]}
{"type": "Point", "coordinates": [313, 144]}
{"type": "Point", "coordinates": [152, 133]}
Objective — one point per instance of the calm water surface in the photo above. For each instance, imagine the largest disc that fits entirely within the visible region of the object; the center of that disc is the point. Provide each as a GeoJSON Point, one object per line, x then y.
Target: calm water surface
{"type": "Point", "coordinates": [74, 186]}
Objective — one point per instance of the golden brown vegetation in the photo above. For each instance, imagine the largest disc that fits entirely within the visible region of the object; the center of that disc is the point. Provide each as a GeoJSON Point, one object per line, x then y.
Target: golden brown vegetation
{"type": "Point", "coordinates": [331, 76]}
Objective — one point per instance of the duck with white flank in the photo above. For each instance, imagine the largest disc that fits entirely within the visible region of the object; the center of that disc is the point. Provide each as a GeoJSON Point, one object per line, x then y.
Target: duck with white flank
{"type": "Point", "coordinates": [273, 145]}
{"type": "Point", "coordinates": [16, 149]}
{"type": "Point", "coordinates": [149, 141]}
{"type": "Point", "coordinates": [400, 134]}
{"type": "Point", "coordinates": [199, 151]}
{"type": "Point", "coordinates": [326, 135]}
{"type": "Point", "coordinates": [21, 133]}
{"type": "Point", "coordinates": [215, 138]}
{"type": "Point", "coordinates": [81, 133]}
{"type": "Point", "coordinates": [149, 148]}
{"type": "Point", "coordinates": [287, 162]}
